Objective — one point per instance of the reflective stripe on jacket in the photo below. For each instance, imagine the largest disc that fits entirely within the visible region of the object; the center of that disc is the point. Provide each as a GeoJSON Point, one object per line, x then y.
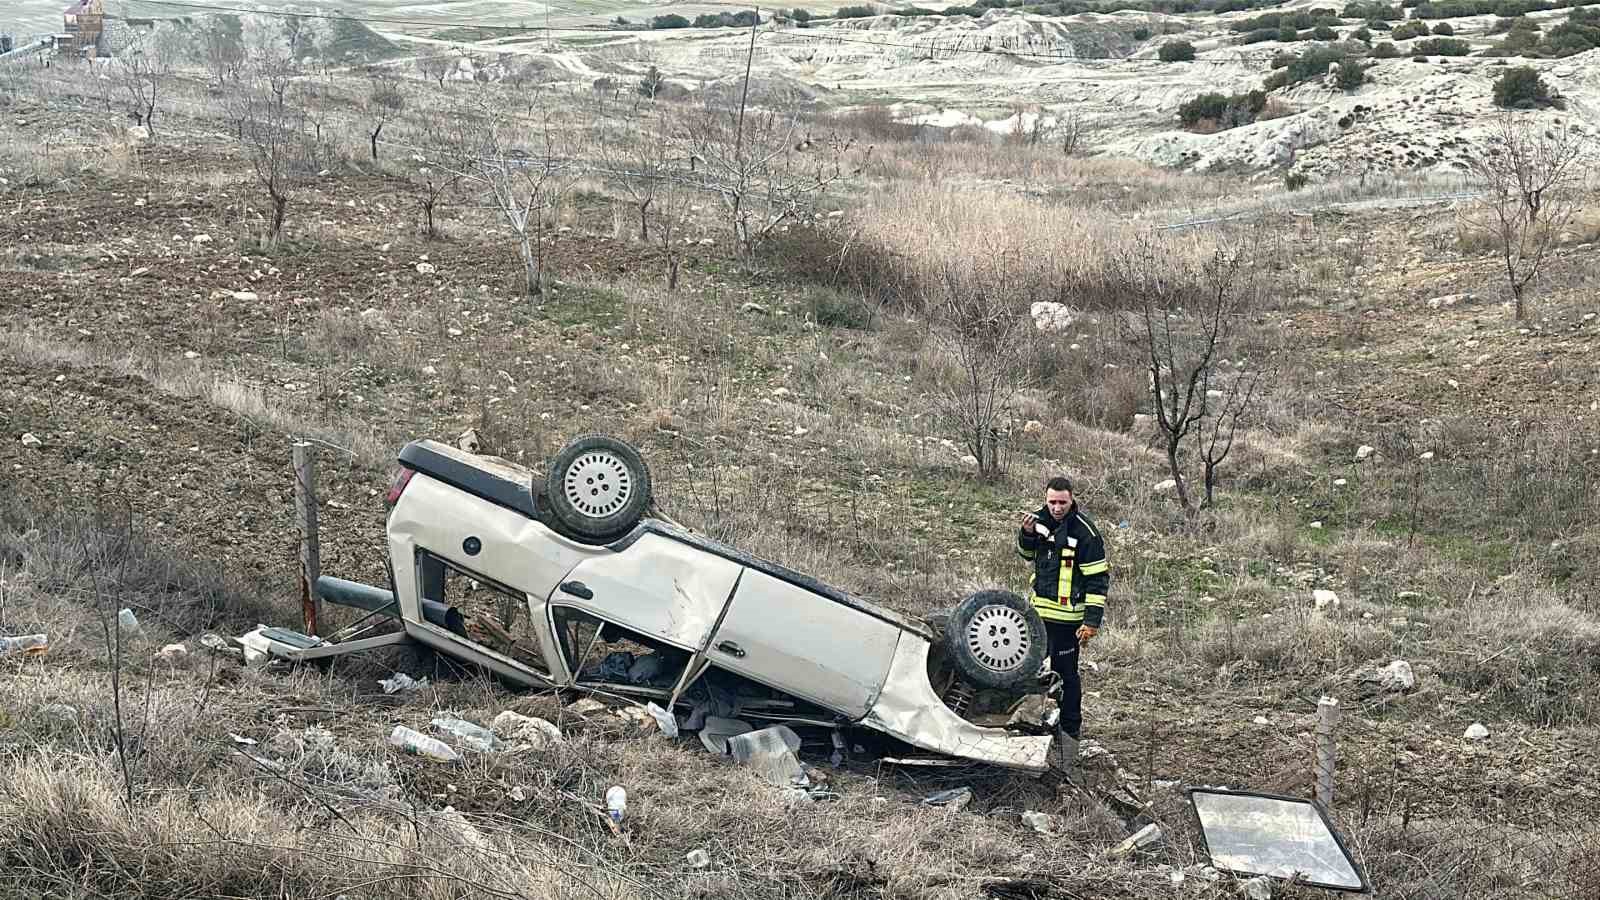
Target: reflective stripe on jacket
{"type": "Point", "coordinates": [1070, 574]}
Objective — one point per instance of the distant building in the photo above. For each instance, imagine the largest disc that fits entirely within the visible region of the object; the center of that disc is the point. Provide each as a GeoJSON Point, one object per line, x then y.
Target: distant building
{"type": "Point", "coordinates": [85, 22]}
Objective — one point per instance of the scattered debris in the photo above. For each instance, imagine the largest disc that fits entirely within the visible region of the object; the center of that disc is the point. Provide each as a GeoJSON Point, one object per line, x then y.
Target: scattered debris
{"type": "Point", "coordinates": [173, 654]}
{"type": "Point", "coordinates": [955, 798]}
{"type": "Point", "coordinates": [400, 682]}
{"type": "Point", "coordinates": [1325, 599]}
{"type": "Point", "coordinates": [716, 731]}
{"type": "Point", "coordinates": [664, 720]}
{"type": "Point", "coordinates": [1364, 451]}
{"type": "Point", "coordinates": [469, 734]}
{"type": "Point", "coordinates": [616, 802]}
{"type": "Point", "coordinates": [422, 745]}
{"type": "Point", "coordinates": [1050, 317]}
{"type": "Point", "coordinates": [771, 752]}
{"type": "Point", "coordinates": [1139, 840]}
{"type": "Point", "coordinates": [30, 440]}
{"type": "Point", "coordinates": [698, 859]}
{"type": "Point", "coordinates": [1257, 888]}
{"type": "Point", "coordinates": [216, 643]}
{"type": "Point", "coordinates": [1044, 823]}
{"type": "Point", "coordinates": [531, 730]}
{"type": "Point", "coordinates": [587, 706]}
{"type": "Point", "coordinates": [127, 622]}
{"type": "Point", "coordinates": [27, 645]}
{"type": "Point", "coordinates": [1162, 487]}
{"type": "Point", "coordinates": [240, 739]}
{"type": "Point", "coordinates": [1476, 732]}
{"type": "Point", "coordinates": [469, 441]}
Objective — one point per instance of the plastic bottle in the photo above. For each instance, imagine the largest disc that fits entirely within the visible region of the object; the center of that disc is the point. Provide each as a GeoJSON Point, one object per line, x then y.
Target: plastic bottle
{"type": "Point", "coordinates": [422, 745]}
{"type": "Point", "coordinates": [617, 802]}
{"type": "Point", "coordinates": [27, 645]}
{"type": "Point", "coordinates": [470, 734]}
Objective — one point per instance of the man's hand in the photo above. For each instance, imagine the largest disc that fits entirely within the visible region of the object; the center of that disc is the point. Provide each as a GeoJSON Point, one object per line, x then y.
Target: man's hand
{"type": "Point", "coordinates": [1086, 633]}
{"type": "Point", "coordinates": [1028, 521]}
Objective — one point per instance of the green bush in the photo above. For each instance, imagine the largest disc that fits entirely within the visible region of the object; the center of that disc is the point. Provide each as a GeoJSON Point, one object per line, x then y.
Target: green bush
{"type": "Point", "coordinates": [1409, 29]}
{"type": "Point", "coordinates": [672, 20]}
{"type": "Point", "coordinates": [1324, 33]}
{"type": "Point", "coordinates": [1225, 111]}
{"type": "Point", "coordinates": [1363, 34]}
{"type": "Point", "coordinates": [1386, 50]}
{"type": "Point", "coordinates": [1444, 29]}
{"type": "Point", "coordinates": [855, 12]}
{"type": "Point", "coordinates": [1441, 47]}
{"type": "Point", "coordinates": [1177, 51]}
{"type": "Point", "coordinates": [1523, 88]}
{"type": "Point", "coordinates": [1309, 64]}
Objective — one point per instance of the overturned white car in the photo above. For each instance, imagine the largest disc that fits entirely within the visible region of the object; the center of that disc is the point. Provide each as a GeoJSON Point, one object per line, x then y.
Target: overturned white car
{"type": "Point", "coordinates": [565, 581]}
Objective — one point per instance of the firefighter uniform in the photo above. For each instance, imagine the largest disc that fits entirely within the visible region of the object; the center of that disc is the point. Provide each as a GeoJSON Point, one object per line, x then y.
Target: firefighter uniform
{"type": "Point", "coordinates": [1070, 581]}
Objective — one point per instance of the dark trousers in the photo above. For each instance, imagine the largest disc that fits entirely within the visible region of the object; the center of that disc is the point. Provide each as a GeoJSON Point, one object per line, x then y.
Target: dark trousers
{"type": "Point", "coordinates": [1064, 661]}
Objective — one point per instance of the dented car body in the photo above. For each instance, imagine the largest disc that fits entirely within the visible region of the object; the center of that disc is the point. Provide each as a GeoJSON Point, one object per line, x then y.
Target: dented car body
{"type": "Point", "coordinates": [659, 613]}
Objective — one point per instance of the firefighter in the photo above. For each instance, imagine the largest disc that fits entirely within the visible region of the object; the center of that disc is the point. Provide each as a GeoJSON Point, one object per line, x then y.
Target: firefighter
{"type": "Point", "coordinates": [1070, 580]}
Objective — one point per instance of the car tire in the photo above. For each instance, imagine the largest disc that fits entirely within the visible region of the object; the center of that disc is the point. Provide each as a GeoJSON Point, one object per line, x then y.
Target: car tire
{"type": "Point", "coordinates": [598, 486]}
{"type": "Point", "coordinates": [996, 639]}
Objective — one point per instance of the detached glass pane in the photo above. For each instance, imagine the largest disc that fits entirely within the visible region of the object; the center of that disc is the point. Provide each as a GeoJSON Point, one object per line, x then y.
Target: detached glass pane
{"type": "Point", "coordinates": [1253, 834]}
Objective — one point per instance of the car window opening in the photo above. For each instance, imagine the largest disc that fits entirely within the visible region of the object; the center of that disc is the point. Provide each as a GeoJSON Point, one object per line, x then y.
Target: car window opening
{"type": "Point", "coordinates": [602, 652]}
{"type": "Point", "coordinates": [494, 618]}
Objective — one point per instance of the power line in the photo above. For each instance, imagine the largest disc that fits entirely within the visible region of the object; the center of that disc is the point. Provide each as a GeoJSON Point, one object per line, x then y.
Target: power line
{"type": "Point", "coordinates": [379, 20]}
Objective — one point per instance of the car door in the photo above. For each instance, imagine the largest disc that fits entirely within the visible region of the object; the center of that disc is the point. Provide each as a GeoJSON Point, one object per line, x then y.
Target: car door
{"type": "Point", "coordinates": [656, 586]}
{"type": "Point", "coordinates": [803, 643]}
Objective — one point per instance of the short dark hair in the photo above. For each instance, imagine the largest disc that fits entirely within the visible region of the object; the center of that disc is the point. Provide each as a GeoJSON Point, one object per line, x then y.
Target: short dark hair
{"type": "Point", "coordinates": [1058, 483]}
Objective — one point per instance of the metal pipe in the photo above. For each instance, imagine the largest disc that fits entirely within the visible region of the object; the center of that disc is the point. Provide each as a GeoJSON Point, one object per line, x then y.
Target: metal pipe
{"type": "Point", "coordinates": [377, 600]}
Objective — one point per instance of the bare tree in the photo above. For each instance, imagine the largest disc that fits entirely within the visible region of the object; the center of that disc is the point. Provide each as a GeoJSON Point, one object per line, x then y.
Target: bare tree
{"type": "Point", "coordinates": [383, 102]}
{"type": "Point", "coordinates": [272, 128]}
{"type": "Point", "coordinates": [979, 311]}
{"type": "Point", "coordinates": [660, 152]}
{"type": "Point", "coordinates": [525, 185]}
{"type": "Point", "coordinates": [221, 50]}
{"type": "Point", "coordinates": [437, 67]}
{"type": "Point", "coordinates": [1533, 187]}
{"type": "Point", "coordinates": [767, 171]}
{"type": "Point", "coordinates": [1192, 316]}
{"type": "Point", "coordinates": [145, 66]}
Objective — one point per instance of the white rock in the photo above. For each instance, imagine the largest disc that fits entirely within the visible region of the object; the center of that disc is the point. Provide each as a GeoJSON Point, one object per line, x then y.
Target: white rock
{"type": "Point", "coordinates": [1340, 482]}
{"type": "Point", "coordinates": [969, 460]}
{"type": "Point", "coordinates": [1317, 525]}
{"type": "Point", "coordinates": [453, 332]}
{"type": "Point", "coordinates": [1257, 888]}
{"type": "Point", "coordinates": [200, 239]}
{"type": "Point", "coordinates": [1163, 487]}
{"type": "Point", "coordinates": [1262, 720]}
{"type": "Point", "coordinates": [1051, 317]}
{"type": "Point", "coordinates": [529, 729]}
{"type": "Point", "coordinates": [190, 354]}
{"type": "Point", "coordinates": [246, 296]}
{"type": "Point", "coordinates": [29, 440]}
{"type": "Point", "coordinates": [429, 370]}
{"type": "Point", "coordinates": [1213, 395]}
{"type": "Point", "coordinates": [142, 270]}
{"type": "Point", "coordinates": [1476, 732]}
{"type": "Point", "coordinates": [1032, 426]}
{"type": "Point", "coordinates": [1364, 451]}
{"type": "Point", "coordinates": [173, 653]}
{"type": "Point", "coordinates": [1325, 598]}
{"type": "Point", "coordinates": [751, 306]}
{"type": "Point", "coordinates": [1397, 676]}
{"type": "Point", "coordinates": [425, 268]}
{"type": "Point", "coordinates": [1426, 456]}
{"type": "Point", "coordinates": [1142, 420]}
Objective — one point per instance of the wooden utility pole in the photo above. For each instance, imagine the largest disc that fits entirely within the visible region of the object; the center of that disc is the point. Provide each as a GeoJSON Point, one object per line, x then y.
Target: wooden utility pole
{"type": "Point", "coordinates": [305, 507]}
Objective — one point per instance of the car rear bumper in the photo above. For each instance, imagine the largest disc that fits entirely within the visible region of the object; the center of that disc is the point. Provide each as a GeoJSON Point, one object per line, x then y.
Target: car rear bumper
{"type": "Point", "coordinates": [908, 709]}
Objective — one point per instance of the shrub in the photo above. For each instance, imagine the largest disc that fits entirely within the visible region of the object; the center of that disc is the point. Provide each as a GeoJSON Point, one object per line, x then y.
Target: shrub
{"type": "Point", "coordinates": [1222, 110]}
{"type": "Point", "coordinates": [1363, 34]}
{"type": "Point", "coordinates": [1443, 28]}
{"type": "Point", "coordinates": [1176, 51]}
{"type": "Point", "coordinates": [855, 12]}
{"type": "Point", "coordinates": [1523, 88]}
{"type": "Point", "coordinates": [669, 21]}
{"type": "Point", "coordinates": [1141, 33]}
{"type": "Point", "coordinates": [1441, 47]}
{"type": "Point", "coordinates": [1410, 29]}
{"type": "Point", "coordinates": [1386, 50]}
{"type": "Point", "coordinates": [1324, 33]}
{"type": "Point", "coordinates": [1305, 66]}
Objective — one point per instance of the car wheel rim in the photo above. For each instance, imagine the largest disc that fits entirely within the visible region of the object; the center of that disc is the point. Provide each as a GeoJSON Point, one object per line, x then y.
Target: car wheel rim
{"type": "Point", "coordinates": [598, 484]}
{"type": "Point", "coordinates": [998, 638]}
